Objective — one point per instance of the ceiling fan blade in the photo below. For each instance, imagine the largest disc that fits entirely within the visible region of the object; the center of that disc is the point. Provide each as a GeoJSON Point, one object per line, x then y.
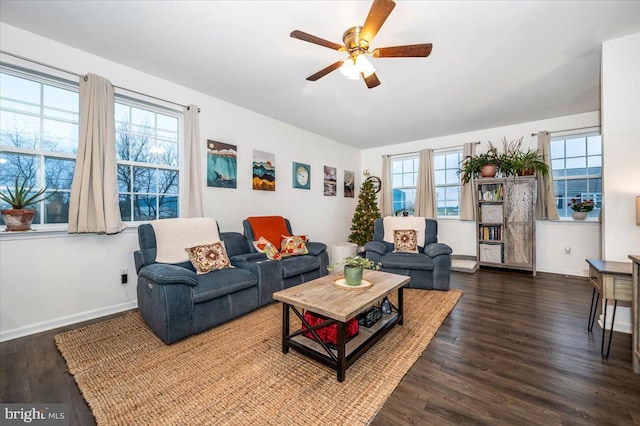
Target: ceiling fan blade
{"type": "Point", "coordinates": [408, 51]}
{"type": "Point", "coordinates": [372, 81]}
{"type": "Point", "coordinates": [325, 71]}
{"type": "Point", "coordinates": [315, 40]}
{"type": "Point", "coordinates": [379, 12]}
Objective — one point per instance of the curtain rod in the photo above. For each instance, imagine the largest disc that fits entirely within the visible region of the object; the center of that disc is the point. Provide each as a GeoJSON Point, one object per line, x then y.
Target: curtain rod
{"type": "Point", "coordinates": [84, 76]}
{"type": "Point", "coordinates": [569, 130]}
{"type": "Point", "coordinates": [417, 152]}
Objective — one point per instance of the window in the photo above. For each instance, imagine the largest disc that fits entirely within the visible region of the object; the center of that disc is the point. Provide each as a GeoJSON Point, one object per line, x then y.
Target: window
{"type": "Point", "coordinates": [404, 176]}
{"type": "Point", "coordinates": [148, 164]}
{"type": "Point", "coordinates": [576, 161]}
{"type": "Point", "coordinates": [39, 137]}
{"type": "Point", "coordinates": [445, 165]}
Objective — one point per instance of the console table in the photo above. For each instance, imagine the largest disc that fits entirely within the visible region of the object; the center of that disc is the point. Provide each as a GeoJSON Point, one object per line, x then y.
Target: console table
{"type": "Point", "coordinates": [612, 280]}
{"type": "Point", "coordinates": [635, 313]}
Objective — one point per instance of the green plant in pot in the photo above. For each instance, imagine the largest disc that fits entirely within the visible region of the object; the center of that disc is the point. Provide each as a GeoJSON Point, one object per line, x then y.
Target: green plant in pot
{"type": "Point", "coordinates": [525, 163]}
{"type": "Point", "coordinates": [354, 268]}
{"type": "Point", "coordinates": [18, 217]}
{"type": "Point", "coordinates": [485, 165]}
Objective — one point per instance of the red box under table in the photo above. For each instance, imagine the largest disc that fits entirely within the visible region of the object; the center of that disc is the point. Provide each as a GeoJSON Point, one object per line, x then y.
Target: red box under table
{"type": "Point", "coordinates": [329, 333]}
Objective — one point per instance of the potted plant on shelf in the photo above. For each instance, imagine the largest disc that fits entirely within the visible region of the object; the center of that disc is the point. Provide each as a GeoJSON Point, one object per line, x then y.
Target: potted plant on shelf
{"type": "Point", "coordinates": [525, 163]}
{"type": "Point", "coordinates": [581, 209]}
{"type": "Point", "coordinates": [18, 217]}
{"type": "Point", "coordinates": [485, 165]}
{"type": "Point", "coordinates": [354, 268]}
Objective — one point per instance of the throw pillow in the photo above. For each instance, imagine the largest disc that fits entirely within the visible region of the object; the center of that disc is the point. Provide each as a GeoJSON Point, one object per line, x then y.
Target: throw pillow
{"type": "Point", "coordinates": [209, 257]}
{"type": "Point", "coordinates": [405, 241]}
{"type": "Point", "coordinates": [264, 246]}
{"type": "Point", "coordinates": [293, 245]}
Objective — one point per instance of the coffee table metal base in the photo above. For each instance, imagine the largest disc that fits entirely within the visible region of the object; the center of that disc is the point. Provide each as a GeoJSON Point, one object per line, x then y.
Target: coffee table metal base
{"type": "Point", "coordinates": [347, 352]}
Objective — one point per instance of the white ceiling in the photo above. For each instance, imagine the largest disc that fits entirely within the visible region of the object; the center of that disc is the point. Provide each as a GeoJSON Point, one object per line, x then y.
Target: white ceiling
{"type": "Point", "coordinates": [493, 63]}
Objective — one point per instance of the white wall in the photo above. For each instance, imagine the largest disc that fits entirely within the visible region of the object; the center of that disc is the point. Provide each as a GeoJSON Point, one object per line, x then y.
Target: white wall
{"type": "Point", "coordinates": [621, 155]}
{"type": "Point", "coordinates": [551, 237]}
{"type": "Point", "coordinates": [51, 279]}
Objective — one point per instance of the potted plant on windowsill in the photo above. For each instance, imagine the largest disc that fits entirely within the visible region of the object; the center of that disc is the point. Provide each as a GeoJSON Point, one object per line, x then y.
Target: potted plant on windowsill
{"type": "Point", "coordinates": [18, 217]}
{"type": "Point", "coordinates": [354, 268]}
{"type": "Point", "coordinates": [580, 209]}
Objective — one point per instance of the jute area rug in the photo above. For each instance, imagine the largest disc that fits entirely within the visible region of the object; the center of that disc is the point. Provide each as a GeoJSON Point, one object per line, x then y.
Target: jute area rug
{"type": "Point", "coordinates": [236, 374]}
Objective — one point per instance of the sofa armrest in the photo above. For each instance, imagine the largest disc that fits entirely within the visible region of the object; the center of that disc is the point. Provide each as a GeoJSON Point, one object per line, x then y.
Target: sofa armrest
{"type": "Point", "coordinates": [376, 247]}
{"type": "Point", "coordinates": [247, 257]}
{"type": "Point", "coordinates": [162, 273]}
{"type": "Point", "coordinates": [437, 249]}
{"type": "Point", "coordinates": [316, 248]}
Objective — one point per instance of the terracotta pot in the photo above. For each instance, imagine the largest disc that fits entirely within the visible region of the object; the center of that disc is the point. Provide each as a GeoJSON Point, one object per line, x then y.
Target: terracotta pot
{"type": "Point", "coordinates": [18, 219]}
{"type": "Point", "coordinates": [526, 171]}
{"type": "Point", "coordinates": [488, 170]}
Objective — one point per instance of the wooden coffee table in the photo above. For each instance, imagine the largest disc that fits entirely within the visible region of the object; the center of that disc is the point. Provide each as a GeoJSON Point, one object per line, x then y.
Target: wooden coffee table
{"type": "Point", "coordinates": [338, 305]}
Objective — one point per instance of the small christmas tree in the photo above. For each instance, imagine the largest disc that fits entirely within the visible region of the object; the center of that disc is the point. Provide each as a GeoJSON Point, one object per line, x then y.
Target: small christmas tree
{"type": "Point", "coordinates": [366, 212]}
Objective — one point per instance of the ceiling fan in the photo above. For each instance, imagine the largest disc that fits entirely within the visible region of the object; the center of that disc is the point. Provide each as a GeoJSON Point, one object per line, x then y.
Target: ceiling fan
{"type": "Point", "coordinates": [356, 43]}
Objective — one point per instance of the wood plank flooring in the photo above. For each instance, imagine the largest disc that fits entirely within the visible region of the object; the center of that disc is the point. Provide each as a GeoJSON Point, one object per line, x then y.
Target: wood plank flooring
{"type": "Point", "coordinates": [514, 351]}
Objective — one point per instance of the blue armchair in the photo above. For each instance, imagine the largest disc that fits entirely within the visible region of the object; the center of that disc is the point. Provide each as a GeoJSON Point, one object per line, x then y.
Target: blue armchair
{"type": "Point", "coordinates": [428, 269]}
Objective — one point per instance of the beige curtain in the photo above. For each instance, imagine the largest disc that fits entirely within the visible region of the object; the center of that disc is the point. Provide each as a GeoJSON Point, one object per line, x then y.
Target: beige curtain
{"type": "Point", "coordinates": [93, 205]}
{"type": "Point", "coordinates": [546, 201]}
{"type": "Point", "coordinates": [425, 187]}
{"type": "Point", "coordinates": [386, 193]}
{"type": "Point", "coordinates": [192, 193]}
{"type": "Point", "coordinates": [468, 193]}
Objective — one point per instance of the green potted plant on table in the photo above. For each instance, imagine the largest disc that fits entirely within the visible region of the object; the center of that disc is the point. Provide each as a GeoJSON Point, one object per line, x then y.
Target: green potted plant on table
{"type": "Point", "coordinates": [354, 268]}
{"type": "Point", "coordinates": [18, 217]}
{"type": "Point", "coordinates": [581, 209]}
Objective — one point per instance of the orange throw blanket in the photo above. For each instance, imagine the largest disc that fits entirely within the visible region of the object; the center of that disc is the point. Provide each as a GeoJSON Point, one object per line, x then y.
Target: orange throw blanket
{"type": "Point", "coordinates": [270, 227]}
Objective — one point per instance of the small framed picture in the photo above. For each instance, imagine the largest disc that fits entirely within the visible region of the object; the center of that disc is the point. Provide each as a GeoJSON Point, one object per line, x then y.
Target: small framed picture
{"type": "Point", "coordinates": [301, 175]}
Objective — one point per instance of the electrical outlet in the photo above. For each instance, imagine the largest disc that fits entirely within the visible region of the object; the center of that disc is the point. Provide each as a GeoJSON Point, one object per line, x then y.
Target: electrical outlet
{"type": "Point", "coordinates": [567, 249]}
{"type": "Point", "coordinates": [124, 275]}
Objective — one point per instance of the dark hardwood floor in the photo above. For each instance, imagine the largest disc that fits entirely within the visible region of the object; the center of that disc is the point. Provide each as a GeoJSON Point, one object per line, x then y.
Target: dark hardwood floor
{"type": "Point", "coordinates": [514, 351]}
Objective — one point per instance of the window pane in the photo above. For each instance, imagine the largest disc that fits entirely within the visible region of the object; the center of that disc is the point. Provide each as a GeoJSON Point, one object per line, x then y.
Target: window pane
{"type": "Point", "coordinates": [60, 103]}
{"type": "Point", "coordinates": [59, 173]}
{"type": "Point", "coordinates": [452, 160]}
{"type": "Point", "coordinates": [144, 207]}
{"type": "Point", "coordinates": [440, 194]}
{"type": "Point", "coordinates": [594, 145]}
{"type": "Point", "coordinates": [124, 178]}
{"type": "Point", "coordinates": [557, 149]}
{"type": "Point", "coordinates": [20, 94]}
{"type": "Point", "coordinates": [440, 177]}
{"type": "Point", "coordinates": [407, 166]}
{"type": "Point", "coordinates": [60, 136]}
{"type": "Point", "coordinates": [125, 207]}
{"type": "Point", "coordinates": [438, 162]}
{"type": "Point", "coordinates": [57, 207]}
{"type": "Point", "coordinates": [142, 118]}
{"type": "Point", "coordinates": [576, 166]}
{"type": "Point", "coordinates": [576, 147]}
{"type": "Point", "coordinates": [19, 130]}
{"type": "Point", "coordinates": [396, 181]}
{"type": "Point", "coordinates": [407, 179]}
{"type": "Point", "coordinates": [559, 188]}
{"type": "Point", "coordinates": [452, 176]}
{"type": "Point", "coordinates": [168, 182]}
{"type": "Point", "coordinates": [168, 207]}
{"type": "Point", "coordinates": [18, 165]}
{"type": "Point", "coordinates": [396, 166]}
{"type": "Point", "coordinates": [144, 180]}
{"type": "Point", "coordinates": [167, 154]}
{"type": "Point", "coordinates": [577, 188]}
{"type": "Point", "coordinates": [122, 143]}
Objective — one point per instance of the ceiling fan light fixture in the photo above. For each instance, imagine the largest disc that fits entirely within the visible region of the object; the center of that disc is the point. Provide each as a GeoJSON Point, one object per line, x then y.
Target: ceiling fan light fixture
{"type": "Point", "coordinates": [349, 70]}
{"type": "Point", "coordinates": [364, 66]}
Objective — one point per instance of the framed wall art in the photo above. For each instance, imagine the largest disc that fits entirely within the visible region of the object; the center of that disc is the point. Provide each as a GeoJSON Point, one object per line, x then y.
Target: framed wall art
{"type": "Point", "coordinates": [222, 164]}
{"type": "Point", "coordinates": [301, 175]}
{"type": "Point", "coordinates": [330, 181]}
{"type": "Point", "coordinates": [349, 186]}
{"type": "Point", "coordinates": [264, 171]}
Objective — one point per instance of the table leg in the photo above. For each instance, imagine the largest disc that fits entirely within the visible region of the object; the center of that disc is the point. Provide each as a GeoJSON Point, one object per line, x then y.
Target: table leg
{"type": "Point", "coordinates": [285, 327]}
{"type": "Point", "coordinates": [400, 306]}
{"type": "Point", "coordinates": [342, 355]}
{"type": "Point", "coordinates": [593, 310]}
{"type": "Point", "coordinates": [613, 318]}
{"type": "Point", "coordinates": [604, 325]}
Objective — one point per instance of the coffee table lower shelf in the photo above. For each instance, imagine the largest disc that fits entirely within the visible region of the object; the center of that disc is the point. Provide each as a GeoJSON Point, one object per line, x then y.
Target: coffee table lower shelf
{"type": "Point", "coordinates": [338, 359]}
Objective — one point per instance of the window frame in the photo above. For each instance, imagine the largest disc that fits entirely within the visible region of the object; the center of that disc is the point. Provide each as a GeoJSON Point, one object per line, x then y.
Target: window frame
{"type": "Point", "coordinates": [458, 182]}
{"type": "Point", "coordinates": [587, 176]}
{"type": "Point", "coordinates": [156, 108]}
{"type": "Point", "coordinates": [403, 157]}
{"type": "Point", "coordinates": [40, 153]}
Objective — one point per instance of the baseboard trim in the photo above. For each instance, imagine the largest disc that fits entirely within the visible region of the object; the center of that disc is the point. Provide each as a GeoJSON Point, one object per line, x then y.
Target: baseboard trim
{"type": "Point", "coordinates": [566, 272]}
{"type": "Point", "coordinates": [66, 320]}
